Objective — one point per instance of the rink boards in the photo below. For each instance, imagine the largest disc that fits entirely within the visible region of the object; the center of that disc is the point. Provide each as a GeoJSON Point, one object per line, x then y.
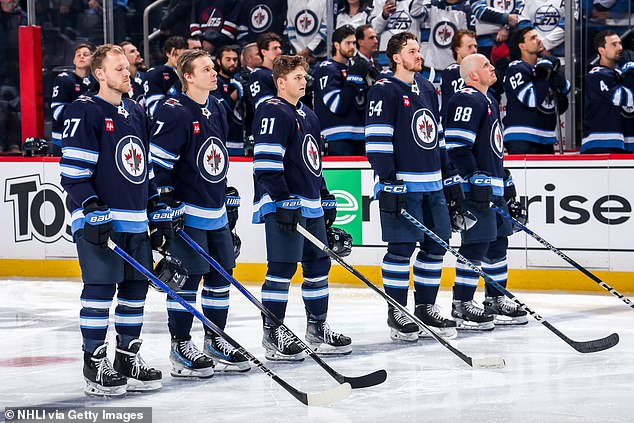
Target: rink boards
{"type": "Point", "coordinates": [581, 205]}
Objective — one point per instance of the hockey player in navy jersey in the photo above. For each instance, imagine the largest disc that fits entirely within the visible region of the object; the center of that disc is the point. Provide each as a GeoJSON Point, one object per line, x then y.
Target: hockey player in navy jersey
{"type": "Point", "coordinates": [105, 171]}
{"type": "Point", "coordinates": [290, 190]}
{"type": "Point", "coordinates": [189, 153]}
{"type": "Point", "coordinates": [405, 146]}
{"type": "Point", "coordinates": [137, 71]}
{"type": "Point", "coordinates": [161, 81]}
{"type": "Point", "coordinates": [337, 89]}
{"type": "Point", "coordinates": [475, 145]}
{"type": "Point", "coordinates": [536, 90]}
{"type": "Point", "coordinates": [67, 87]}
{"type": "Point", "coordinates": [606, 96]}
{"type": "Point", "coordinates": [261, 86]}
{"type": "Point", "coordinates": [463, 44]}
{"type": "Point", "coordinates": [230, 91]}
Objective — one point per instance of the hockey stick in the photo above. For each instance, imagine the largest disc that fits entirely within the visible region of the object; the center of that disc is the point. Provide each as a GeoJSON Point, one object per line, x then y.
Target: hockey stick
{"type": "Point", "coordinates": [365, 381]}
{"type": "Point", "coordinates": [318, 398]}
{"type": "Point", "coordinates": [561, 254]}
{"type": "Point", "coordinates": [581, 346]}
{"type": "Point", "coordinates": [478, 363]}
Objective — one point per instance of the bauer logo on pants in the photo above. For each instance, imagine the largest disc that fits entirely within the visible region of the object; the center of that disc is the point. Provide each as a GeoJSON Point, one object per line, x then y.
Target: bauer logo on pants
{"type": "Point", "coordinates": [311, 155]}
{"type": "Point", "coordinates": [213, 160]}
{"type": "Point", "coordinates": [130, 158]}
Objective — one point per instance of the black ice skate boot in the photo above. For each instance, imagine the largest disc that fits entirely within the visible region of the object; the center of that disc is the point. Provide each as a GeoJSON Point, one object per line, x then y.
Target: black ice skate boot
{"type": "Point", "coordinates": [280, 346]}
{"type": "Point", "coordinates": [226, 357]}
{"type": "Point", "coordinates": [430, 315]}
{"type": "Point", "coordinates": [402, 328]}
{"type": "Point", "coordinates": [325, 341]}
{"type": "Point", "coordinates": [505, 312]}
{"type": "Point", "coordinates": [188, 361]}
{"type": "Point", "coordinates": [129, 363]}
{"type": "Point", "coordinates": [471, 317]}
{"type": "Point", "coordinates": [101, 378]}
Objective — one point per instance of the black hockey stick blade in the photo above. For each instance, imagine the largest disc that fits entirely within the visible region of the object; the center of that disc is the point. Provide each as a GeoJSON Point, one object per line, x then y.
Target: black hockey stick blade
{"type": "Point", "coordinates": [365, 381]}
{"type": "Point", "coordinates": [591, 346]}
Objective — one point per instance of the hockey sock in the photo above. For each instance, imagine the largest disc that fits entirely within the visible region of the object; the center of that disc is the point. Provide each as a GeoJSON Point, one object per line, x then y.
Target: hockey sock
{"type": "Point", "coordinates": [179, 320]}
{"type": "Point", "coordinates": [315, 287]}
{"type": "Point", "coordinates": [128, 317]}
{"type": "Point", "coordinates": [395, 270]}
{"type": "Point", "coordinates": [495, 265]}
{"type": "Point", "coordinates": [466, 281]}
{"type": "Point", "coordinates": [275, 288]}
{"type": "Point", "coordinates": [427, 272]}
{"type": "Point", "coordinates": [215, 298]}
{"type": "Point", "coordinates": [93, 316]}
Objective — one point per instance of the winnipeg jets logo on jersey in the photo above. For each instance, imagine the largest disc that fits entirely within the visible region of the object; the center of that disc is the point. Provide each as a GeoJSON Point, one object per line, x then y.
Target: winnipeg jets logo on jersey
{"type": "Point", "coordinates": [442, 34]}
{"type": "Point", "coordinates": [261, 17]}
{"type": "Point", "coordinates": [311, 155]}
{"type": "Point", "coordinates": [399, 20]}
{"type": "Point", "coordinates": [212, 160]}
{"type": "Point", "coordinates": [497, 139]}
{"type": "Point", "coordinates": [306, 22]}
{"type": "Point", "coordinates": [213, 18]}
{"type": "Point", "coordinates": [546, 18]}
{"type": "Point", "coordinates": [130, 159]}
{"type": "Point", "coordinates": [425, 129]}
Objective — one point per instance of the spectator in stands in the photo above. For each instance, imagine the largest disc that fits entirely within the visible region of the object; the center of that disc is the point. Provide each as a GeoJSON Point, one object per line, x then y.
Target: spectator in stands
{"type": "Point", "coordinates": [90, 27]}
{"type": "Point", "coordinates": [68, 86]}
{"type": "Point", "coordinates": [536, 91]}
{"type": "Point", "coordinates": [367, 46]}
{"type": "Point", "coordinates": [342, 119]}
{"type": "Point", "coordinates": [119, 11]}
{"type": "Point", "coordinates": [177, 19]}
{"type": "Point", "coordinates": [353, 12]}
{"type": "Point", "coordinates": [11, 17]}
{"type": "Point", "coordinates": [307, 26]}
{"type": "Point", "coordinates": [137, 71]}
{"type": "Point", "coordinates": [216, 21]}
{"type": "Point", "coordinates": [547, 18]}
{"type": "Point", "coordinates": [260, 16]}
{"type": "Point", "coordinates": [162, 80]}
{"type": "Point", "coordinates": [194, 43]}
{"type": "Point", "coordinates": [68, 11]}
{"type": "Point", "coordinates": [494, 21]}
{"type": "Point", "coordinates": [231, 92]}
{"type": "Point", "coordinates": [605, 96]}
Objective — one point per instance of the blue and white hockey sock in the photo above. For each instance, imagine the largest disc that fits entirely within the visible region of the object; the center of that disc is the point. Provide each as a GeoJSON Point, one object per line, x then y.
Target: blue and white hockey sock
{"type": "Point", "coordinates": [427, 272]}
{"type": "Point", "coordinates": [275, 288]}
{"type": "Point", "coordinates": [395, 273]}
{"type": "Point", "coordinates": [128, 316]}
{"type": "Point", "coordinates": [315, 288]}
{"type": "Point", "coordinates": [498, 271]}
{"type": "Point", "coordinates": [215, 299]}
{"type": "Point", "coordinates": [179, 320]}
{"type": "Point", "coordinates": [93, 316]}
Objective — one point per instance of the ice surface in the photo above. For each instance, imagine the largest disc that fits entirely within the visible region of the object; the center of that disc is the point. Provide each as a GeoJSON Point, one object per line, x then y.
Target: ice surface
{"type": "Point", "coordinates": [545, 380]}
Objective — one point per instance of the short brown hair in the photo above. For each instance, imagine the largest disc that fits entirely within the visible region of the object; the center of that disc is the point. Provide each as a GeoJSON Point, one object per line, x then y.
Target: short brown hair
{"type": "Point", "coordinates": [396, 44]}
{"type": "Point", "coordinates": [265, 40]}
{"type": "Point", "coordinates": [100, 55]}
{"type": "Point", "coordinates": [185, 64]}
{"type": "Point", "coordinates": [456, 41]}
{"type": "Point", "coordinates": [284, 64]}
{"type": "Point", "coordinates": [82, 45]}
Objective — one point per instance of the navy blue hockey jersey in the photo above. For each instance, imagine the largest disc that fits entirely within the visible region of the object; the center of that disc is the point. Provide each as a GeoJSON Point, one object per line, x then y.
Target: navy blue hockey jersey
{"type": "Point", "coordinates": [530, 109]}
{"type": "Point", "coordinates": [404, 136]}
{"type": "Point", "coordinates": [67, 87]}
{"type": "Point", "coordinates": [260, 16]}
{"type": "Point", "coordinates": [336, 102]}
{"type": "Point", "coordinates": [605, 95]}
{"type": "Point", "coordinates": [261, 86]}
{"type": "Point", "coordinates": [627, 116]}
{"type": "Point", "coordinates": [137, 90]}
{"type": "Point", "coordinates": [189, 155]}
{"type": "Point", "coordinates": [287, 160]}
{"type": "Point", "coordinates": [105, 154]}
{"type": "Point", "coordinates": [159, 82]}
{"type": "Point", "coordinates": [234, 112]}
{"type": "Point", "coordinates": [475, 142]}
{"type": "Point", "coordinates": [450, 83]}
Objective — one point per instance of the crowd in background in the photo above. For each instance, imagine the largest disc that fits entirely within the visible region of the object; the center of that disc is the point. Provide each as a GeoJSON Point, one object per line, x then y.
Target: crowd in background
{"type": "Point", "coordinates": [229, 30]}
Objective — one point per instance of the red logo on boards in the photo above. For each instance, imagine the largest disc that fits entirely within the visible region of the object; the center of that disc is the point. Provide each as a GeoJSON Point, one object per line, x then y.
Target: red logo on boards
{"type": "Point", "coordinates": [109, 125]}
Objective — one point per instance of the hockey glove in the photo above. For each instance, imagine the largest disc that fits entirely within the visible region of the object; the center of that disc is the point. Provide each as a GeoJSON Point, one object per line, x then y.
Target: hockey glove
{"type": "Point", "coordinates": [287, 213]}
{"type": "Point", "coordinates": [98, 224]}
{"type": "Point", "coordinates": [452, 187]}
{"type": "Point", "coordinates": [627, 70]}
{"type": "Point", "coordinates": [329, 204]}
{"type": "Point", "coordinates": [358, 71]}
{"type": "Point", "coordinates": [559, 83]}
{"type": "Point", "coordinates": [519, 213]}
{"type": "Point", "coordinates": [232, 202]}
{"type": "Point", "coordinates": [178, 208]}
{"type": "Point", "coordinates": [392, 198]}
{"type": "Point", "coordinates": [544, 68]}
{"type": "Point", "coordinates": [509, 187]}
{"type": "Point", "coordinates": [161, 231]}
{"type": "Point", "coordinates": [480, 194]}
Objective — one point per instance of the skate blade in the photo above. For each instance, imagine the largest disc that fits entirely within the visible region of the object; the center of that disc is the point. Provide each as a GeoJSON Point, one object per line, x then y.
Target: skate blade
{"type": "Point", "coordinates": [277, 356]}
{"type": "Point", "coordinates": [446, 333]}
{"type": "Point", "coordinates": [510, 321]}
{"type": "Point", "coordinates": [395, 335]}
{"type": "Point", "coordinates": [93, 389]}
{"type": "Point", "coordinates": [466, 325]}
{"type": "Point", "coordinates": [222, 366]}
{"type": "Point", "coordinates": [325, 349]}
{"type": "Point", "coordinates": [135, 385]}
{"type": "Point", "coordinates": [185, 373]}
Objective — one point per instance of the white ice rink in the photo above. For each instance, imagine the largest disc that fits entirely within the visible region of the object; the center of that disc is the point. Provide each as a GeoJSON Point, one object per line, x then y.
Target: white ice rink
{"type": "Point", "coordinates": [545, 380]}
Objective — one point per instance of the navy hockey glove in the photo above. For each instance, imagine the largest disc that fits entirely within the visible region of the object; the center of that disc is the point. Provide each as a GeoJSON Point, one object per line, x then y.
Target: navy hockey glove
{"type": "Point", "coordinates": [392, 198]}
{"type": "Point", "coordinates": [287, 213]}
{"type": "Point", "coordinates": [98, 225]}
{"type": "Point", "coordinates": [519, 213]}
{"type": "Point", "coordinates": [161, 231]}
{"type": "Point", "coordinates": [329, 204]}
{"type": "Point", "coordinates": [544, 68]}
{"type": "Point", "coordinates": [452, 187]}
{"type": "Point", "coordinates": [559, 83]}
{"type": "Point", "coordinates": [232, 202]}
{"type": "Point", "coordinates": [358, 71]}
{"type": "Point", "coordinates": [627, 70]}
{"type": "Point", "coordinates": [178, 208]}
{"type": "Point", "coordinates": [480, 194]}
{"type": "Point", "coordinates": [510, 194]}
